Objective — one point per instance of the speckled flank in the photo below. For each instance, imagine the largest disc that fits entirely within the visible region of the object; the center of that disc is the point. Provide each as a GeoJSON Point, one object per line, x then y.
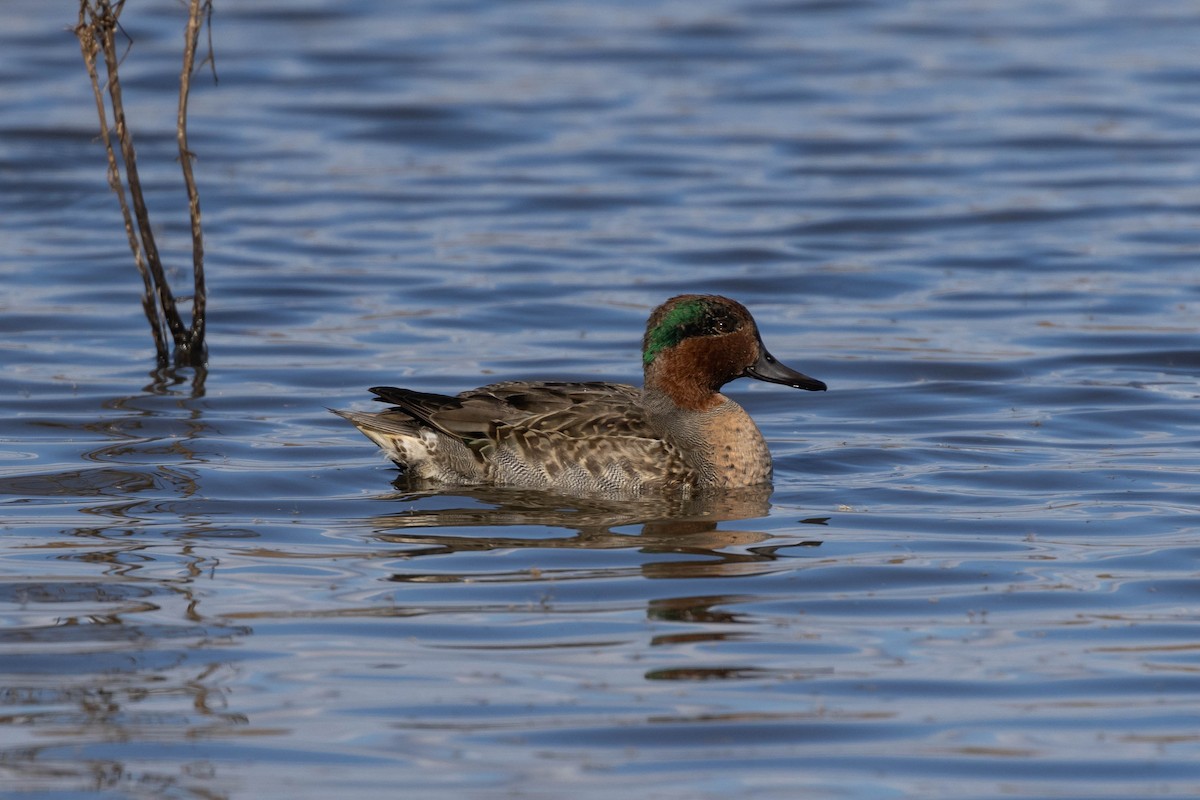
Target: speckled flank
{"type": "Point", "coordinates": [603, 438]}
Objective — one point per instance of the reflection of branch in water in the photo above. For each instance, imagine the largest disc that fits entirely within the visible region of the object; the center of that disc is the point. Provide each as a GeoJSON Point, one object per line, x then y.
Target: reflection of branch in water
{"type": "Point", "coordinates": [106, 660]}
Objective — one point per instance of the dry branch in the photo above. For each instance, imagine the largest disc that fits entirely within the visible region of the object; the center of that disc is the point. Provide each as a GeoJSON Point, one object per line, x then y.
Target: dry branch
{"type": "Point", "coordinates": [96, 30]}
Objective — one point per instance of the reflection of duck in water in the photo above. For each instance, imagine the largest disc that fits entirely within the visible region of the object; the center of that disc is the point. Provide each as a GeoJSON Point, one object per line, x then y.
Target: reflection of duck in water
{"type": "Point", "coordinates": [678, 431]}
{"type": "Point", "coordinates": [592, 517]}
{"type": "Point", "coordinates": [668, 525]}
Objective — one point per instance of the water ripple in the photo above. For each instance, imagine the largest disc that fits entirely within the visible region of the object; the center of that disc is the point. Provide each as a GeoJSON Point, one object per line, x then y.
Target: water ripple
{"type": "Point", "coordinates": [973, 577]}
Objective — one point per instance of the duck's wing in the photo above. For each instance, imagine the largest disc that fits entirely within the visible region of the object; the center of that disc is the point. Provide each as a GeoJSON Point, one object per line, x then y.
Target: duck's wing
{"type": "Point", "coordinates": [600, 445]}
{"type": "Point", "coordinates": [574, 436]}
{"type": "Point", "coordinates": [477, 417]}
{"type": "Point", "coordinates": [449, 415]}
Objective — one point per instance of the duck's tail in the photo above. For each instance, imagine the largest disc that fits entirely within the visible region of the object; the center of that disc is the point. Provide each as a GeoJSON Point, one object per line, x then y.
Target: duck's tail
{"type": "Point", "coordinates": [395, 434]}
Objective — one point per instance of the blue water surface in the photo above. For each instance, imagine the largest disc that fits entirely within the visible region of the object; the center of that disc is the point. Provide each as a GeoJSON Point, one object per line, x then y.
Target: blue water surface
{"type": "Point", "coordinates": [976, 576]}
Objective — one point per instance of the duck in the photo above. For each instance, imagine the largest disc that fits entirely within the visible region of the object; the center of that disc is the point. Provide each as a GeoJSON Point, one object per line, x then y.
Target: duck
{"type": "Point", "coordinates": [676, 432]}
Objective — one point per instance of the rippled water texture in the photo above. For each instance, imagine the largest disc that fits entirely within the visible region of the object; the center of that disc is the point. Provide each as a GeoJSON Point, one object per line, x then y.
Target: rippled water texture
{"type": "Point", "coordinates": [976, 576]}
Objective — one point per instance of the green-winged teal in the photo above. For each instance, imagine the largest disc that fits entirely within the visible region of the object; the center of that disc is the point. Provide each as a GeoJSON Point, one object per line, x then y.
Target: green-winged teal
{"type": "Point", "coordinates": [677, 431]}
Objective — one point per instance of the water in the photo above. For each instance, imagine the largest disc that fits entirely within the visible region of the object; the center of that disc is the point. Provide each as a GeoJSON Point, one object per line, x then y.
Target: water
{"type": "Point", "coordinates": [975, 578]}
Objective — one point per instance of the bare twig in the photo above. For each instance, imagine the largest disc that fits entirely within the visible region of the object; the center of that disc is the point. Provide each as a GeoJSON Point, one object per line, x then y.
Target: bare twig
{"type": "Point", "coordinates": [90, 23]}
{"type": "Point", "coordinates": [191, 37]}
{"type": "Point", "coordinates": [211, 58]}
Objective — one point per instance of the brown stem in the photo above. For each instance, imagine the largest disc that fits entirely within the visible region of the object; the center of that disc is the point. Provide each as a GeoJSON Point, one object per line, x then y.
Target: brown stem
{"type": "Point", "coordinates": [166, 300]}
{"type": "Point", "coordinates": [91, 21]}
{"type": "Point", "coordinates": [194, 343]}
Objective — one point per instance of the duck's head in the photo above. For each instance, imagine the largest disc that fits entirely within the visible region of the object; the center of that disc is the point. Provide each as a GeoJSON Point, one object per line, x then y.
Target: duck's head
{"type": "Point", "coordinates": [697, 343]}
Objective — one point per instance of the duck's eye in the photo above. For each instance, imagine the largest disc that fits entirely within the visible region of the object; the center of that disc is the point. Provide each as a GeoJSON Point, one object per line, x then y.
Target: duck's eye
{"type": "Point", "coordinates": [723, 324]}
